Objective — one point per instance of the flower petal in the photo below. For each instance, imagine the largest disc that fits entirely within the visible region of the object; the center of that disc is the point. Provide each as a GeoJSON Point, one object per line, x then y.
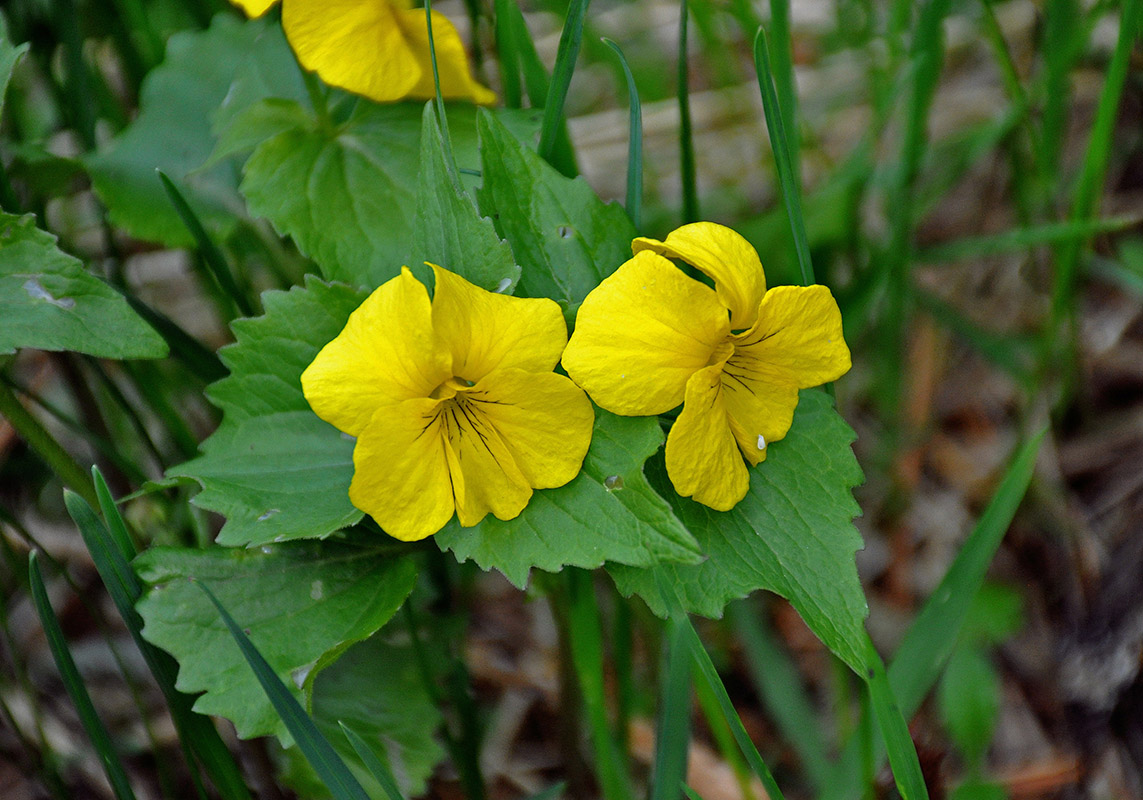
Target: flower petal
{"type": "Point", "coordinates": [400, 470]}
{"type": "Point", "coordinates": [386, 353]}
{"type": "Point", "coordinates": [726, 257]}
{"type": "Point", "coordinates": [254, 8]}
{"type": "Point", "coordinates": [487, 331]}
{"type": "Point", "coordinates": [641, 334]}
{"type": "Point", "coordinates": [760, 413]}
{"type": "Point", "coordinates": [703, 461]}
{"type": "Point", "coordinates": [544, 419]}
{"type": "Point", "coordinates": [797, 339]}
{"type": "Point", "coordinates": [456, 79]}
{"type": "Point", "coordinates": [359, 46]}
{"type": "Point", "coordinates": [484, 473]}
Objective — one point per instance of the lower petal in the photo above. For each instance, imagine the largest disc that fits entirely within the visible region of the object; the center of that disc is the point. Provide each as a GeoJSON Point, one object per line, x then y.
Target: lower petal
{"type": "Point", "coordinates": [544, 419]}
{"type": "Point", "coordinates": [703, 461]}
{"type": "Point", "coordinates": [488, 473]}
{"type": "Point", "coordinates": [760, 412]}
{"type": "Point", "coordinates": [401, 474]}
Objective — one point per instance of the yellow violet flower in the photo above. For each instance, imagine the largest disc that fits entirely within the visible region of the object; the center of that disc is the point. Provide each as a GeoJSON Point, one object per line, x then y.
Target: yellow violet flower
{"type": "Point", "coordinates": [453, 402]}
{"type": "Point", "coordinates": [376, 48]}
{"type": "Point", "coordinates": [649, 338]}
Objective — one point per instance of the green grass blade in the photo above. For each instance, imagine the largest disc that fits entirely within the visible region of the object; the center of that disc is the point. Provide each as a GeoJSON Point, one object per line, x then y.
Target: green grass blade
{"type": "Point", "coordinates": [201, 361]}
{"type": "Point", "coordinates": [332, 771]}
{"type": "Point", "coordinates": [691, 793]}
{"type": "Point", "coordinates": [585, 631]}
{"type": "Point", "coordinates": [508, 54]}
{"type": "Point", "coordinates": [894, 730]}
{"type": "Point", "coordinates": [73, 683]}
{"type": "Point", "coordinates": [375, 765]}
{"type": "Point", "coordinates": [442, 117]}
{"type": "Point", "coordinates": [1064, 39]}
{"type": "Point", "coordinates": [778, 684]}
{"type": "Point", "coordinates": [782, 61]}
{"type": "Point", "coordinates": [673, 726]}
{"type": "Point", "coordinates": [110, 552]}
{"type": "Point", "coordinates": [213, 257]}
{"type": "Point", "coordinates": [979, 247]}
{"type": "Point", "coordinates": [634, 142]}
{"type": "Point", "coordinates": [1013, 353]}
{"type": "Point", "coordinates": [1094, 168]}
{"type": "Point", "coordinates": [686, 135]}
{"type": "Point", "coordinates": [780, 144]}
{"type": "Point", "coordinates": [566, 55]}
{"type": "Point", "coordinates": [930, 638]}
{"type": "Point", "coordinates": [709, 674]}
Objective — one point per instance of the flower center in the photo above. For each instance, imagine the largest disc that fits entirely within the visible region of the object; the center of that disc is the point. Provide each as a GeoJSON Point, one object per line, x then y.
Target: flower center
{"type": "Point", "coordinates": [450, 387]}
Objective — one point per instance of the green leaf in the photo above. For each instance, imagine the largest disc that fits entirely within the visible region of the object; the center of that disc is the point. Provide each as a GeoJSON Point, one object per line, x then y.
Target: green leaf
{"type": "Point", "coordinates": [10, 56]}
{"type": "Point", "coordinates": [173, 133]}
{"type": "Point", "coordinates": [347, 193]}
{"type": "Point", "coordinates": [273, 468]}
{"type": "Point", "coordinates": [607, 513]}
{"type": "Point", "coordinates": [449, 230]}
{"type": "Point", "coordinates": [792, 534]}
{"type": "Point", "coordinates": [968, 698]}
{"type": "Point", "coordinates": [565, 238]}
{"type": "Point", "coordinates": [377, 691]}
{"type": "Point", "coordinates": [51, 302]}
{"type": "Point", "coordinates": [302, 604]}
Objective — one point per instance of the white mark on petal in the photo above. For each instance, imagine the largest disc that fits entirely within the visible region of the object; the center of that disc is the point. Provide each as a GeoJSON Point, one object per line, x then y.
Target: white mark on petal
{"type": "Point", "coordinates": [36, 291]}
{"type": "Point", "coordinates": [761, 442]}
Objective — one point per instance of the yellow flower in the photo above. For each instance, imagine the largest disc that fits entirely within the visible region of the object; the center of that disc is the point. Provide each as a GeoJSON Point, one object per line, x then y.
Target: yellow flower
{"type": "Point", "coordinates": [453, 402]}
{"type": "Point", "coordinates": [650, 337]}
{"type": "Point", "coordinates": [376, 48]}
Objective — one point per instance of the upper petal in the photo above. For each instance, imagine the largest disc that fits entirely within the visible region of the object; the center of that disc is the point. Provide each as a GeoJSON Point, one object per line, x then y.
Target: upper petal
{"type": "Point", "coordinates": [641, 334]}
{"type": "Point", "coordinates": [356, 45]}
{"type": "Point", "coordinates": [545, 421]}
{"type": "Point", "coordinates": [486, 331]}
{"type": "Point", "coordinates": [400, 470]}
{"type": "Point", "coordinates": [726, 257]}
{"type": "Point", "coordinates": [254, 8]}
{"type": "Point", "coordinates": [387, 352]}
{"type": "Point", "coordinates": [797, 339]}
{"type": "Point", "coordinates": [456, 79]}
{"type": "Point", "coordinates": [702, 457]}
{"type": "Point", "coordinates": [482, 467]}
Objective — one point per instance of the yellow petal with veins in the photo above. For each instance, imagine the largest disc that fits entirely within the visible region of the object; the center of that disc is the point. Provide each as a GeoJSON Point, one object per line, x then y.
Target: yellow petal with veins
{"type": "Point", "coordinates": [726, 257]}
{"type": "Point", "coordinates": [703, 460]}
{"type": "Point", "coordinates": [641, 334]}
{"type": "Point", "coordinates": [797, 339]}
{"type": "Point", "coordinates": [487, 331]}
{"type": "Point", "coordinates": [484, 474]}
{"type": "Point", "coordinates": [400, 470]}
{"type": "Point", "coordinates": [544, 419]}
{"type": "Point", "coordinates": [386, 353]}
{"type": "Point", "coordinates": [760, 413]}
{"type": "Point", "coordinates": [254, 8]}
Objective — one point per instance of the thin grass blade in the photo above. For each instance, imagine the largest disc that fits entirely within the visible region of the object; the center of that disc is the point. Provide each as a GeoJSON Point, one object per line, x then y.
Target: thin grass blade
{"type": "Point", "coordinates": [673, 726]}
{"type": "Point", "coordinates": [508, 54]}
{"type": "Point", "coordinates": [570, 41]}
{"type": "Point", "coordinates": [634, 142]}
{"type": "Point", "coordinates": [586, 635]}
{"type": "Point", "coordinates": [780, 144]}
{"type": "Point", "coordinates": [1014, 241]}
{"type": "Point", "coordinates": [778, 685]}
{"type": "Point", "coordinates": [686, 134]}
{"type": "Point", "coordinates": [894, 730]}
{"type": "Point", "coordinates": [374, 764]}
{"type": "Point", "coordinates": [782, 62]}
{"type": "Point", "coordinates": [74, 685]}
{"type": "Point", "coordinates": [332, 771]}
{"type": "Point", "coordinates": [930, 638]}
{"type": "Point", "coordinates": [213, 257]}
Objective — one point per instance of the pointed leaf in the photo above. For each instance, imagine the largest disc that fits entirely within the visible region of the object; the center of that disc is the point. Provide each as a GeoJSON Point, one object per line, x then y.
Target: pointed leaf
{"type": "Point", "coordinates": [792, 534]}
{"type": "Point", "coordinates": [302, 604]}
{"type": "Point", "coordinates": [50, 302]}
